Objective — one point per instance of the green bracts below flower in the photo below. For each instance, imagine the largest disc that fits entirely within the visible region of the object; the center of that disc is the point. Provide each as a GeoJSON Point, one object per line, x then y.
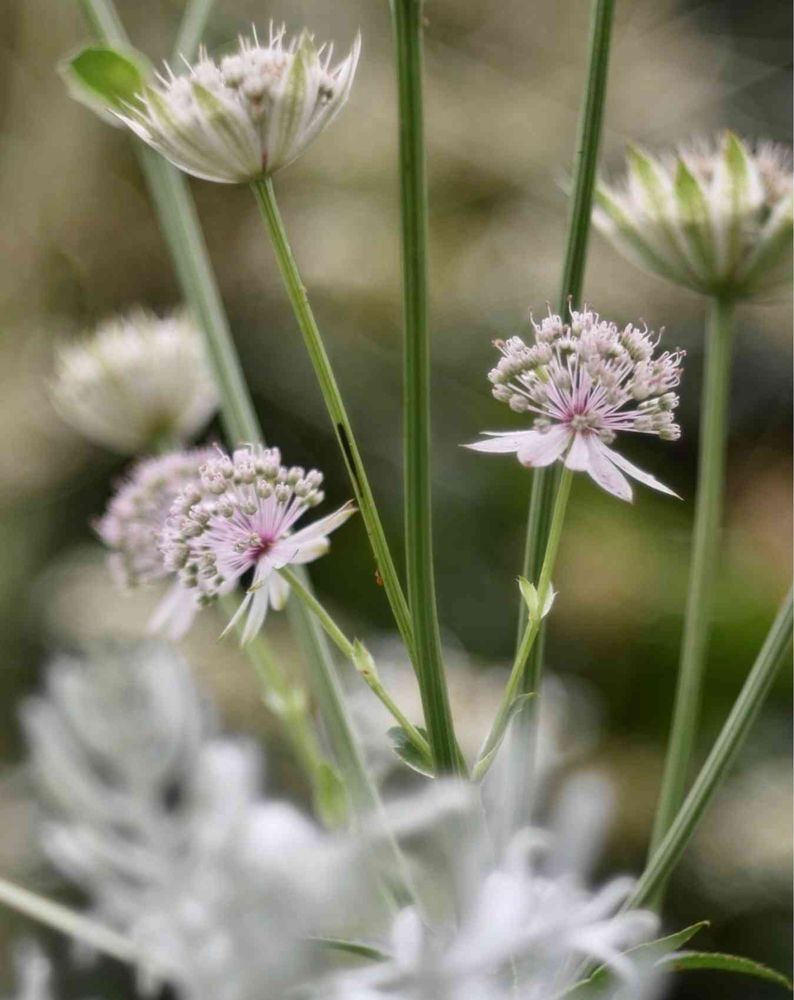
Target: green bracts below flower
{"type": "Point", "coordinates": [714, 218]}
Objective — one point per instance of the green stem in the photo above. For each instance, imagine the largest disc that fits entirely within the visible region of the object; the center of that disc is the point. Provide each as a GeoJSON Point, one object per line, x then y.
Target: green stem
{"type": "Point", "coordinates": [348, 649]}
{"type": "Point", "coordinates": [532, 628]}
{"type": "Point", "coordinates": [545, 480]}
{"type": "Point", "coordinates": [194, 20]}
{"type": "Point", "coordinates": [182, 232]}
{"type": "Point", "coordinates": [66, 921]}
{"type": "Point", "coordinates": [418, 507]}
{"type": "Point", "coordinates": [734, 732]}
{"type": "Point", "coordinates": [265, 197]}
{"type": "Point", "coordinates": [705, 554]}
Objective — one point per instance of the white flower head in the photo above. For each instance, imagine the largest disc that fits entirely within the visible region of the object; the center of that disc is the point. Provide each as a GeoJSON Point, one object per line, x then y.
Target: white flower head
{"type": "Point", "coordinates": [137, 381]}
{"type": "Point", "coordinates": [132, 529]}
{"type": "Point", "coordinates": [716, 217]}
{"type": "Point", "coordinates": [585, 382]}
{"type": "Point", "coordinates": [248, 114]}
{"type": "Point", "coordinates": [520, 918]}
{"type": "Point", "coordinates": [239, 518]}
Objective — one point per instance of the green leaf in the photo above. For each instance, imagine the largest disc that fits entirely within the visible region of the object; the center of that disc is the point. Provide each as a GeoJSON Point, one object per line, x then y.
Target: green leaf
{"type": "Point", "coordinates": [684, 961]}
{"type": "Point", "coordinates": [653, 951]}
{"type": "Point", "coordinates": [330, 795]}
{"type": "Point", "coordinates": [409, 753]}
{"type": "Point", "coordinates": [358, 948]}
{"type": "Point", "coordinates": [106, 79]}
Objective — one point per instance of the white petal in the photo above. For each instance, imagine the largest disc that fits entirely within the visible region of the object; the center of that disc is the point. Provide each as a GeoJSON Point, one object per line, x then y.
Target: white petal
{"type": "Point", "coordinates": [279, 591]}
{"type": "Point", "coordinates": [642, 477]}
{"type": "Point", "coordinates": [545, 447]}
{"type": "Point", "coordinates": [322, 527]}
{"type": "Point", "coordinates": [578, 458]}
{"type": "Point", "coordinates": [174, 615]}
{"type": "Point", "coordinates": [602, 469]}
{"type": "Point", "coordinates": [502, 441]}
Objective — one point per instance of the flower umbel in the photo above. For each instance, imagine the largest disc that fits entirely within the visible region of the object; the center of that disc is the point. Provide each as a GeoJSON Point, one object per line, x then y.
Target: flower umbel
{"type": "Point", "coordinates": [585, 382]}
{"type": "Point", "coordinates": [247, 115]}
{"type": "Point", "coordinates": [137, 381]}
{"type": "Point", "coordinates": [716, 218]}
{"type": "Point", "coordinates": [132, 529]}
{"type": "Point", "coordinates": [238, 518]}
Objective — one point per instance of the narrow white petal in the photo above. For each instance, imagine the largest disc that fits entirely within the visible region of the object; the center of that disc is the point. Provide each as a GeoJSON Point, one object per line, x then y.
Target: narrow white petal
{"type": "Point", "coordinates": [642, 477]}
{"type": "Point", "coordinates": [544, 447]}
{"type": "Point", "coordinates": [174, 614]}
{"type": "Point", "coordinates": [603, 470]}
{"type": "Point", "coordinates": [578, 458]}
{"type": "Point", "coordinates": [279, 591]}
{"type": "Point", "coordinates": [322, 527]}
{"type": "Point", "coordinates": [502, 441]}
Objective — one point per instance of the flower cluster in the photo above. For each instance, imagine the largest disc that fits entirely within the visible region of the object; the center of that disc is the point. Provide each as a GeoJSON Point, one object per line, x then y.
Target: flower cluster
{"type": "Point", "coordinates": [585, 382]}
{"type": "Point", "coordinates": [132, 530]}
{"type": "Point", "coordinates": [238, 517]}
{"type": "Point", "coordinates": [247, 115]}
{"type": "Point", "coordinates": [137, 382]}
{"type": "Point", "coordinates": [716, 218]}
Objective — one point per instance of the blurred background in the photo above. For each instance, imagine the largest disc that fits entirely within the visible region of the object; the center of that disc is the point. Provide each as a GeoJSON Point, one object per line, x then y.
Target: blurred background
{"type": "Point", "coordinates": [79, 241]}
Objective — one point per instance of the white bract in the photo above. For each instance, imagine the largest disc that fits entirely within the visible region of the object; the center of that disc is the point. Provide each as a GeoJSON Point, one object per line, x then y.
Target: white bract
{"type": "Point", "coordinates": [585, 382]}
{"type": "Point", "coordinates": [716, 218]}
{"type": "Point", "coordinates": [137, 382]}
{"type": "Point", "coordinates": [248, 114]}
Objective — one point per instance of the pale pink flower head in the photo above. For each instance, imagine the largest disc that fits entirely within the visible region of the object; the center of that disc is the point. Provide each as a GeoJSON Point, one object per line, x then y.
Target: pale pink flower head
{"type": "Point", "coordinates": [584, 382]}
{"type": "Point", "coordinates": [239, 518]}
{"type": "Point", "coordinates": [132, 528]}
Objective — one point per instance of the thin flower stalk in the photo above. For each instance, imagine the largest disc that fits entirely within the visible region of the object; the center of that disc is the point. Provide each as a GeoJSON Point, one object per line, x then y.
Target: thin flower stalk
{"type": "Point", "coordinates": [358, 655]}
{"type": "Point", "coordinates": [408, 28]}
{"type": "Point", "coordinates": [183, 235]}
{"type": "Point", "coordinates": [265, 196]}
{"type": "Point", "coordinates": [545, 481]}
{"type": "Point", "coordinates": [516, 682]}
{"type": "Point", "coordinates": [66, 921]}
{"type": "Point", "coordinates": [703, 568]}
{"type": "Point", "coordinates": [743, 715]}
{"type": "Point", "coordinates": [191, 28]}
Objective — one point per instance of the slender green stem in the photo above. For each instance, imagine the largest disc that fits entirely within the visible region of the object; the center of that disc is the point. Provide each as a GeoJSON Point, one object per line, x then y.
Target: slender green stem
{"type": "Point", "coordinates": [418, 506]}
{"type": "Point", "coordinates": [533, 625]}
{"type": "Point", "coordinates": [733, 734]}
{"type": "Point", "coordinates": [348, 649]}
{"type": "Point", "coordinates": [705, 554]}
{"type": "Point", "coordinates": [194, 20]}
{"type": "Point", "coordinates": [182, 232]}
{"type": "Point", "coordinates": [544, 480]}
{"type": "Point", "coordinates": [265, 197]}
{"type": "Point", "coordinates": [66, 921]}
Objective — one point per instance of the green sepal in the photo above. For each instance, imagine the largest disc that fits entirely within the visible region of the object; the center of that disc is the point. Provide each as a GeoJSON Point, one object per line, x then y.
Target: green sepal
{"type": "Point", "coordinates": [106, 79]}
{"type": "Point", "coordinates": [685, 961]}
{"type": "Point", "coordinates": [483, 763]}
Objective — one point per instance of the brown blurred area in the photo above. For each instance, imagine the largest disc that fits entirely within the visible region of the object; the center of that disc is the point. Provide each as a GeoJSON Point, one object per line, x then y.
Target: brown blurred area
{"type": "Point", "coordinates": [79, 240]}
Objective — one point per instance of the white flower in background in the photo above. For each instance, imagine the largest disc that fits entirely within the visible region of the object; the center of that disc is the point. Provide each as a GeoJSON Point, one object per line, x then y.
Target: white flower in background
{"type": "Point", "coordinates": [585, 382]}
{"type": "Point", "coordinates": [33, 972]}
{"type": "Point", "coordinates": [137, 382]}
{"type": "Point", "coordinates": [163, 825]}
{"type": "Point", "coordinates": [113, 748]}
{"type": "Point", "coordinates": [132, 528]}
{"type": "Point", "coordinates": [520, 917]}
{"type": "Point", "coordinates": [247, 115]}
{"type": "Point", "coordinates": [716, 218]}
{"type": "Point", "coordinates": [239, 518]}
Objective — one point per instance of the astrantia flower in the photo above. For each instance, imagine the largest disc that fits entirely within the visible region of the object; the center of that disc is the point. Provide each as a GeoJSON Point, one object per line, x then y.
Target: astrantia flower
{"type": "Point", "coordinates": [247, 115]}
{"type": "Point", "coordinates": [239, 518]}
{"type": "Point", "coordinates": [132, 528]}
{"type": "Point", "coordinates": [137, 381]}
{"type": "Point", "coordinates": [520, 918]}
{"type": "Point", "coordinates": [585, 382]}
{"type": "Point", "coordinates": [716, 218]}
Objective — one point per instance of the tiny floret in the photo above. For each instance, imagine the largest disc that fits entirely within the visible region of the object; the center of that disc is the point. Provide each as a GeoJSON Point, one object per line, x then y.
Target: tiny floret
{"type": "Point", "coordinates": [716, 217]}
{"type": "Point", "coordinates": [247, 115]}
{"type": "Point", "coordinates": [238, 518]}
{"type": "Point", "coordinates": [138, 381]}
{"type": "Point", "coordinates": [132, 529]}
{"type": "Point", "coordinates": [583, 383]}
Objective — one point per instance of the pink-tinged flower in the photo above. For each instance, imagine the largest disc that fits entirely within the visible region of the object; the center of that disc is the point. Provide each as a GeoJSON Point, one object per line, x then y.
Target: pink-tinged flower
{"type": "Point", "coordinates": [585, 382]}
{"type": "Point", "coordinates": [132, 529]}
{"type": "Point", "coordinates": [239, 518]}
